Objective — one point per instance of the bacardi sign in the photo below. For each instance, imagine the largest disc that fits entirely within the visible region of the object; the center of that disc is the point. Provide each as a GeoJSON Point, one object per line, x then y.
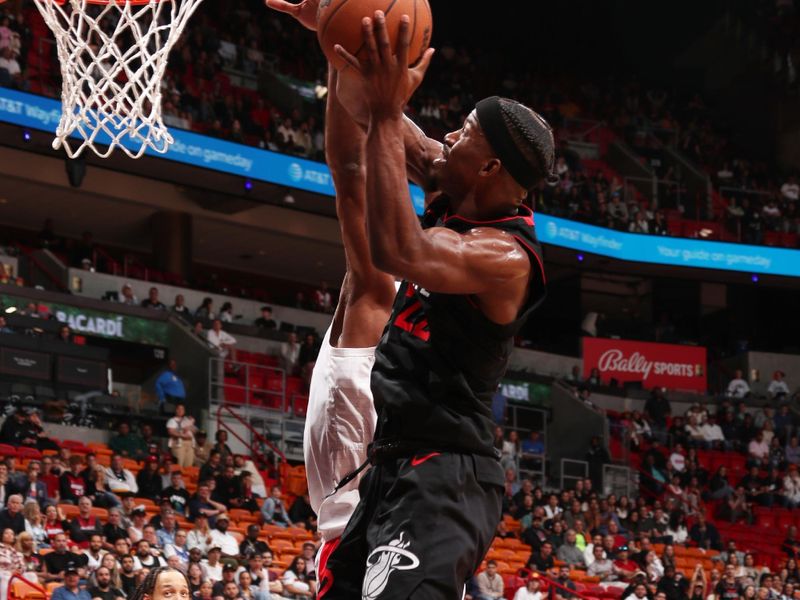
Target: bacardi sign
{"type": "Point", "coordinates": [654, 365]}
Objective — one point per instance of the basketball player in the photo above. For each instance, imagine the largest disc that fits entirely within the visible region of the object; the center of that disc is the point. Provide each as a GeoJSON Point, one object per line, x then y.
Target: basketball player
{"type": "Point", "coordinates": [431, 502]}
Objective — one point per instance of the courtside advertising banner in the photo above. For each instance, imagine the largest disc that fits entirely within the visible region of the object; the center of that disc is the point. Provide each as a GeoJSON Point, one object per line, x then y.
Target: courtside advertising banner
{"type": "Point", "coordinates": [654, 365]}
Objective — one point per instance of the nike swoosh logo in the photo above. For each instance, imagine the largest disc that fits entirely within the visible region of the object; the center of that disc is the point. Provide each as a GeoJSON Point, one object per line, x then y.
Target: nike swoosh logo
{"type": "Point", "coordinates": [418, 460]}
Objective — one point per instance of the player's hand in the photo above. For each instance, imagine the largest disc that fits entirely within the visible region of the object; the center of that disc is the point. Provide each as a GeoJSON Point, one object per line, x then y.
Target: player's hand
{"type": "Point", "coordinates": [305, 12]}
{"type": "Point", "coordinates": [388, 80]}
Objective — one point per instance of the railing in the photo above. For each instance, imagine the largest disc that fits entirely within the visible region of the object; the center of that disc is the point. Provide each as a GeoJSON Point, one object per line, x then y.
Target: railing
{"type": "Point", "coordinates": [553, 585]}
{"type": "Point", "coordinates": [568, 474]}
{"type": "Point", "coordinates": [31, 584]}
{"type": "Point", "coordinates": [258, 386]}
{"type": "Point", "coordinates": [254, 449]}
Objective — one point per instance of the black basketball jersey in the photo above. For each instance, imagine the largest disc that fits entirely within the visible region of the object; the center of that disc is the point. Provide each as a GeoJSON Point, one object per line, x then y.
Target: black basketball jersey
{"type": "Point", "coordinates": [440, 360]}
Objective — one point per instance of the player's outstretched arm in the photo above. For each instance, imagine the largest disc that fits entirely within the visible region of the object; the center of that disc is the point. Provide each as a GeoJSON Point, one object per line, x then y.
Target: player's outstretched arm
{"type": "Point", "coordinates": [367, 292]}
{"type": "Point", "coordinates": [421, 151]}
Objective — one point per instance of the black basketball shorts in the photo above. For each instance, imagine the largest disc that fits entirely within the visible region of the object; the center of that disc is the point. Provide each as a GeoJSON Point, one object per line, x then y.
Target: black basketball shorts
{"type": "Point", "coordinates": [420, 531]}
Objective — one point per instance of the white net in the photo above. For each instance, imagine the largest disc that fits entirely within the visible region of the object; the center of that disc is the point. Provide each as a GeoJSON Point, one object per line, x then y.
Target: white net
{"type": "Point", "coordinates": [113, 55]}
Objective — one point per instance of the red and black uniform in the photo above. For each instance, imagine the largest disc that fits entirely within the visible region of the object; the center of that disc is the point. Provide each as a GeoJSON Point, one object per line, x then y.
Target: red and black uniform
{"type": "Point", "coordinates": [432, 500]}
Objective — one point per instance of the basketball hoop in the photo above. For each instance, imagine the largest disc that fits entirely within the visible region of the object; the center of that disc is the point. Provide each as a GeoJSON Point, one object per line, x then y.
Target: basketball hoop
{"type": "Point", "coordinates": [113, 55]}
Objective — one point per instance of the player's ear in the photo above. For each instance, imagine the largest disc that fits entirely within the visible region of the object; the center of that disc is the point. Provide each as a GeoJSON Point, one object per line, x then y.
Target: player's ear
{"type": "Point", "coordinates": [491, 167]}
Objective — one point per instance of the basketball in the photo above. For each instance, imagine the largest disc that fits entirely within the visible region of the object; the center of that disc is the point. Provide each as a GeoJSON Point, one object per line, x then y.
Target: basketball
{"type": "Point", "coordinates": [340, 23]}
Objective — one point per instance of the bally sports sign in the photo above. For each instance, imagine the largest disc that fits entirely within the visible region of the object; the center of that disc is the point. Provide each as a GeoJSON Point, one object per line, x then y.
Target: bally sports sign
{"type": "Point", "coordinates": [654, 365]}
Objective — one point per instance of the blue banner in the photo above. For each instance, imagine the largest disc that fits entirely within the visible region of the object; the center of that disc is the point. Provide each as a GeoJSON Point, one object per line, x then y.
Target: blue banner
{"type": "Point", "coordinates": [37, 112]}
{"type": "Point", "coordinates": [681, 252]}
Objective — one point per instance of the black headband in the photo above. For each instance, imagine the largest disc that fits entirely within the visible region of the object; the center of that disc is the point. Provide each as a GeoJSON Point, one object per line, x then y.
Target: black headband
{"type": "Point", "coordinates": [490, 117]}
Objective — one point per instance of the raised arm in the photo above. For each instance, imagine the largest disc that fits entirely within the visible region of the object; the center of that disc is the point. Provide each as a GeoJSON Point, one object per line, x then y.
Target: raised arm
{"type": "Point", "coordinates": [367, 292]}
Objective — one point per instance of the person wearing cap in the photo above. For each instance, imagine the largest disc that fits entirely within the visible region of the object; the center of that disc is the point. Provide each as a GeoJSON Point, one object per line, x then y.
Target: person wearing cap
{"type": "Point", "coordinates": [625, 567]}
{"type": "Point", "coordinates": [228, 576]}
{"type": "Point", "coordinates": [169, 386]}
{"type": "Point", "coordinates": [138, 522]}
{"type": "Point", "coordinates": [71, 588]}
{"type": "Point", "coordinates": [212, 567]}
{"type": "Point", "coordinates": [530, 591]}
{"type": "Point", "coordinates": [220, 537]}
{"type": "Point", "coordinates": [200, 537]}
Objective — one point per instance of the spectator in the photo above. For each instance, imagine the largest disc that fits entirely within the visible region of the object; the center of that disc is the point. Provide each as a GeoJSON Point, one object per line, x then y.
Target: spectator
{"type": "Point", "coordinates": [777, 388]}
{"type": "Point", "coordinates": [564, 584]}
{"type": "Point", "coordinates": [626, 568]}
{"type": "Point", "coordinates": [202, 503]}
{"type": "Point", "coordinates": [128, 444]}
{"type": "Point", "coordinates": [181, 429]}
{"type": "Point", "coordinates": [11, 516]}
{"type": "Point", "coordinates": [113, 530]}
{"type": "Point", "coordinates": [213, 468]}
{"type": "Point", "coordinates": [149, 480]}
{"type": "Point", "coordinates": [295, 581]}
{"type": "Point", "coordinates": [31, 488]}
{"type": "Point", "coordinates": [202, 448]}
{"type": "Point", "coordinates": [4, 328]}
{"type": "Point", "coordinates": [71, 588]}
{"type": "Point", "coordinates": [251, 545]}
{"type": "Point", "coordinates": [220, 537]}
{"type": "Point", "coordinates": [228, 578]}
{"type": "Point", "coordinates": [103, 588]}
{"type": "Point", "coordinates": [170, 387]}
{"type": "Point", "coordinates": [168, 530]}
{"type": "Point", "coordinates": [205, 312]}
{"type": "Point", "coordinates": [791, 190]}
{"type": "Point", "coordinates": [84, 525]}
{"type": "Point", "coordinates": [542, 561]}
{"type": "Point", "coordinates": [712, 433]}
{"type": "Point", "coordinates": [758, 451]}
{"type": "Point", "coordinates": [176, 493]}
{"type": "Point", "coordinates": [569, 551]}
{"type": "Point", "coordinates": [144, 558]}
{"type": "Point", "coordinates": [265, 321]}
{"type": "Point", "coordinates": [226, 313]}
{"type": "Point", "coordinates": [127, 296]}
{"type": "Point", "coordinates": [490, 584]}
{"type": "Point", "coordinates": [597, 456]}
{"type": "Point", "coordinates": [180, 308]}
{"type": "Point", "coordinates": [738, 387]}
{"type": "Point", "coordinates": [221, 340]}
{"type": "Point", "coordinates": [658, 410]}
{"type": "Point", "coordinates": [120, 479]}
{"type": "Point", "coordinates": [61, 560]}
{"type": "Point", "coordinates": [705, 534]}
{"type": "Point", "coordinates": [129, 580]}
{"type": "Point", "coordinates": [290, 354]}
{"type": "Point", "coordinates": [152, 300]}
{"type": "Point", "coordinates": [273, 511]}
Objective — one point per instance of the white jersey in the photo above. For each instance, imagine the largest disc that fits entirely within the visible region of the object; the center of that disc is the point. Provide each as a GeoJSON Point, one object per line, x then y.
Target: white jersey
{"type": "Point", "coordinates": [340, 424]}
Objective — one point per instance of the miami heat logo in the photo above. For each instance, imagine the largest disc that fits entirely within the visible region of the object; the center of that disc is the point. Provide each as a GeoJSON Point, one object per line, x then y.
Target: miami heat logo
{"type": "Point", "coordinates": [382, 562]}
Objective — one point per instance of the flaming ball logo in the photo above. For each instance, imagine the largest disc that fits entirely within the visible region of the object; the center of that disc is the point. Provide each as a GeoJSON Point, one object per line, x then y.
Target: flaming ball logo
{"type": "Point", "coordinates": [382, 562]}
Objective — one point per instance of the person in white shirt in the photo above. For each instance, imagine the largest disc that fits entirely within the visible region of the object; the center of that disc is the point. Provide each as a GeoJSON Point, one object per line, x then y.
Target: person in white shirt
{"type": "Point", "coordinates": [694, 429]}
{"type": "Point", "coordinates": [677, 459]}
{"type": "Point", "coordinates": [212, 568]}
{"type": "Point", "coordinates": [200, 536]}
{"type": "Point", "coordinates": [224, 540]}
{"type": "Point", "coordinates": [531, 589]}
{"type": "Point", "coordinates": [119, 479]}
{"type": "Point", "coordinates": [777, 387]}
{"type": "Point", "coordinates": [221, 340]}
{"type": "Point", "coordinates": [181, 431]}
{"type": "Point", "coordinates": [588, 552]}
{"type": "Point", "coordinates": [738, 387]}
{"type": "Point", "coordinates": [791, 487]}
{"type": "Point", "coordinates": [791, 190]}
{"type": "Point", "coordinates": [290, 354]}
{"type": "Point", "coordinates": [712, 433]}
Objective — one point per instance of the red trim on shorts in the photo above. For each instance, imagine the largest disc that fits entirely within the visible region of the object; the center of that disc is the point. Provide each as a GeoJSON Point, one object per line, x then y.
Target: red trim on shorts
{"type": "Point", "coordinates": [325, 576]}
